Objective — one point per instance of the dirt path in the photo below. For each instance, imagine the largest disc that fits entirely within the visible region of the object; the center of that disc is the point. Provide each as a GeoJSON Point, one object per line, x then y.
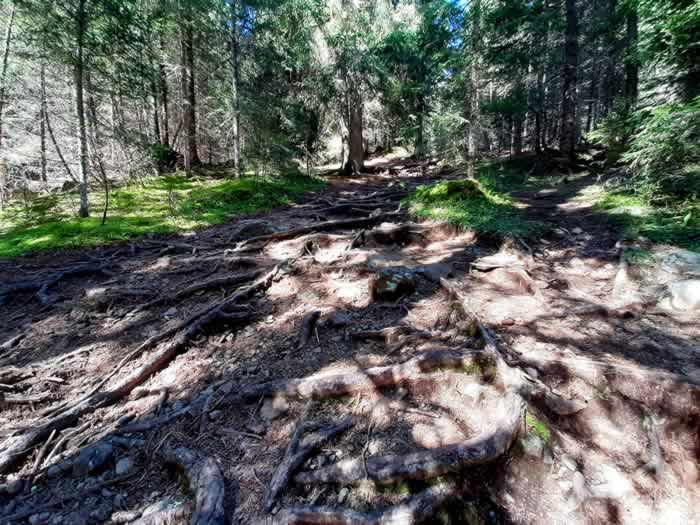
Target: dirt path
{"type": "Point", "coordinates": [170, 333]}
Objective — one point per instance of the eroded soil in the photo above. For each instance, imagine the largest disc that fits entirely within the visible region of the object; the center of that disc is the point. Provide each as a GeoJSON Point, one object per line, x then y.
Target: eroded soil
{"type": "Point", "coordinates": [630, 456]}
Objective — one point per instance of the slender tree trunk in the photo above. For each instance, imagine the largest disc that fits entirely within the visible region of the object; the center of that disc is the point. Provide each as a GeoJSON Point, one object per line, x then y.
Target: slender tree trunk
{"type": "Point", "coordinates": [631, 60]}
{"type": "Point", "coordinates": [420, 138]}
{"type": "Point", "coordinates": [69, 172]}
{"type": "Point", "coordinates": [567, 137]}
{"type": "Point", "coordinates": [78, 79]}
{"type": "Point", "coordinates": [42, 119]}
{"type": "Point", "coordinates": [3, 91]}
{"type": "Point", "coordinates": [609, 83]}
{"type": "Point", "coordinates": [96, 143]}
{"type": "Point", "coordinates": [156, 119]}
{"type": "Point", "coordinates": [473, 116]}
{"type": "Point", "coordinates": [164, 95]}
{"type": "Point", "coordinates": [188, 91]}
{"type": "Point", "coordinates": [235, 84]}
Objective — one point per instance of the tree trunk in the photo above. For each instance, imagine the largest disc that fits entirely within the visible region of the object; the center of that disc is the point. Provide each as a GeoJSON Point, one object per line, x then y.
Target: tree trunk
{"type": "Point", "coordinates": [156, 118]}
{"type": "Point", "coordinates": [631, 60]}
{"type": "Point", "coordinates": [235, 83]}
{"type": "Point", "coordinates": [567, 137]}
{"type": "Point", "coordinates": [419, 150]}
{"type": "Point", "coordinates": [518, 135]}
{"type": "Point", "coordinates": [164, 95]}
{"type": "Point", "coordinates": [356, 152]}
{"type": "Point", "coordinates": [3, 69]}
{"type": "Point", "coordinates": [78, 78]}
{"type": "Point", "coordinates": [42, 119]}
{"type": "Point", "coordinates": [609, 82]}
{"type": "Point", "coordinates": [188, 91]}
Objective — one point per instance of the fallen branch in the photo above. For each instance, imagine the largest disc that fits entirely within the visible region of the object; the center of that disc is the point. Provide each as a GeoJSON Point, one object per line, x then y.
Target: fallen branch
{"type": "Point", "coordinates": [206, 481]}
{"type": "Point", "coordinates": [318, 387]}
{"type": "Point", "coordinates": [417, 509]}
{"type": "Point", "coordinates": [297, 453]}
{"type": "Point", "coordinates": [427, 464]}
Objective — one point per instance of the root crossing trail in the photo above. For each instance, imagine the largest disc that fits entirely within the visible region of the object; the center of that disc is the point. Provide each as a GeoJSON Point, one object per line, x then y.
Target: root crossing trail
{"type": "Point", "coordinates": [338, 362]}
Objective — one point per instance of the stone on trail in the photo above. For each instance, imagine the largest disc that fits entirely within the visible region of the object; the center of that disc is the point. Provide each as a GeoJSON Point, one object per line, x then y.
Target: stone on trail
{"type": "Point", "coordinates": [252, 228]}
{"type": "Point", "coordinates": [274, 408]}
{"type": "Point", "coordinates": [433, 272]}
{"type": "Point", "coordinates": [124, 466]}
{"type": "Point", "coordinates": [532, 445]}
{"type": "Point", "coordinates": [92, 458]}
{"type": "Point", "coordinates": [392, 284]}
{"type": "Point", "coordinates": [684, 295]}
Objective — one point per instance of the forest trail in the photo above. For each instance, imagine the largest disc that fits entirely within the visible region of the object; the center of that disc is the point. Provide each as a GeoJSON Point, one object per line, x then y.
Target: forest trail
{"type": "Point", "coordinates": [123, 354]}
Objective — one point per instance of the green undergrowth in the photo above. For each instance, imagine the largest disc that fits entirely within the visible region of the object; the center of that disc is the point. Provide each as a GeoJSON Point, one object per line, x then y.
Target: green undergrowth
{"type": "Point", "coordinates": [675, 222]}
{"type": "Point", "coordinates": [478, 205]}
{"type": "Point", "coordinates": [155, 205]}
{"type": "Point", "coordinates": [537, 427]}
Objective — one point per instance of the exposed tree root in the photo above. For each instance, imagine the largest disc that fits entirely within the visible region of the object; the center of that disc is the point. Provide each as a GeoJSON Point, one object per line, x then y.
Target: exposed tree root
{"type": "Point", "coordinates": [515, 379]}
{"type": "Point", "coordinates": [427, 464]}
{"type": "Point", "coordinates": [318, 387]}
{"type": "Point", "coordinates": [15, 448]}
{"type": "Point", "coordinates": [226, 281]}
{"type": "Point", "coordinates": [206, 481]}
{"type": "Point", "coordinates": [417, 509]}
{"type": "Point", "coordinates": [322, 227]}
{"type": "Point", "coordinates": [41, 286]}
{"type": "Point", "coordinates": [391, 334]}
{"type": "Point", "coordinates": [16, 399]}
{"type": "Point", "coordinates": [12, 375]}
{"type": "Point", "coordinates": [167, 516]}
{"type": "Point", "coordinates": [298, 452]}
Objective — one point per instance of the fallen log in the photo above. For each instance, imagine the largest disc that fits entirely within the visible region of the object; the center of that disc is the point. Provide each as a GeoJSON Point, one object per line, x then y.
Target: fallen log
{"type": "Point", "coordinates": [319, 387]}
{"type": "Point", "coordinates": [417, 509]}
{"type": "Point", "coordinates": [321, 227]}
{"type": "Point", "coordinates": [15, 448]}
{"type": "Point", "coordinates": [297, 453]}
{"type": "Point", "coordinates": [206, 481]}
{"type": "Point", "coordinates": [431, 463]}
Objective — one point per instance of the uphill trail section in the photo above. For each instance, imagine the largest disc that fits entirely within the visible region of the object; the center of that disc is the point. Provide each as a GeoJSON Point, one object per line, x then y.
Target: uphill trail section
{"type": "Point", "coordinates": [340, 361]}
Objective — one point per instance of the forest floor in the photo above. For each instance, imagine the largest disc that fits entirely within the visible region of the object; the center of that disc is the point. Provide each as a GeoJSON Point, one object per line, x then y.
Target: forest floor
{"type": "Point", "coordinates": [118, 362]}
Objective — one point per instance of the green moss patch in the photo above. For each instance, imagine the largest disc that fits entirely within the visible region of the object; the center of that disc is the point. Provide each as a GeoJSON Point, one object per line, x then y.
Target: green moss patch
{"type": "Point", "coordinates": [472, 205]}
{"type": "Point", "coordinates": [156, 205]}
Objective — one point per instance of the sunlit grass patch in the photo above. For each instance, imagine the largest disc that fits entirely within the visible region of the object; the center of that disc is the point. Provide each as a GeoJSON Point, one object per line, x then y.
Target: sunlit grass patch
{"type": "Point", "coordinates": [472, 205]}
{"type": "Point", "coordinates": [155, 205]}
{"type": "Point", "coordinates": [676, 223]}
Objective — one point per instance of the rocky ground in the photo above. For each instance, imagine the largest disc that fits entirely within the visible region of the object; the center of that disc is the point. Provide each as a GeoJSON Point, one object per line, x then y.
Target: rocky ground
{"type": "Point", "coordinates": [337, 362]}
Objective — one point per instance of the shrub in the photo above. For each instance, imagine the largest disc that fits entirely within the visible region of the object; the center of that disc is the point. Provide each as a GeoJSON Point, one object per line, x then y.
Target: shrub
{"type": "Point", "coordinates": [664, 153]}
